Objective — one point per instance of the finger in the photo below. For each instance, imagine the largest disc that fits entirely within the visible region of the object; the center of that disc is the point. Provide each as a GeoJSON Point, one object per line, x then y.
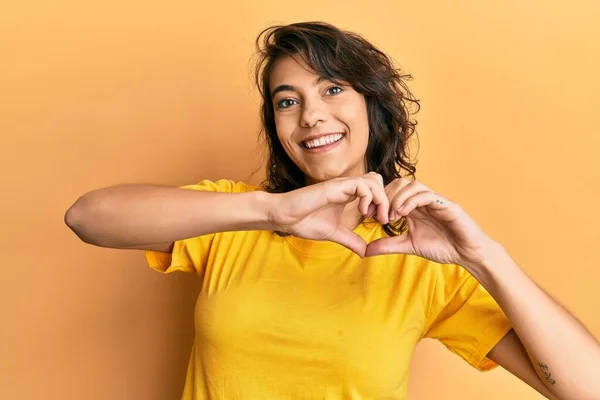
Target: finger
{"type": "Point", "coordinates": [392, 191]}
{"type": "Point", "coordinates": [377, 176]}
{"type": "Point", "coordinates": [380, 198]}
{"type": "Point", "coordinates": [339, 191]}
{"type": "Point", "coordinates": [342, 191]}
{"type": "Point", "coordinates": [364, 191]}
{"type": "Point", "coordinates": [429, 199]}
{"type": "Point", "coordinates": [403, 194]}
{"type": "Point", "coordinates": [396, 184]}
{"type": "Point", "coordinates": [382, 210]}
{"type": "Point", "coordinates": [400, 244]}
{"type": "Point", "coordinates": [375, 196]}
{"type": "Point", "coordinates": [371, 210]}
{"type": "Point", "coordinates": [350, 240]}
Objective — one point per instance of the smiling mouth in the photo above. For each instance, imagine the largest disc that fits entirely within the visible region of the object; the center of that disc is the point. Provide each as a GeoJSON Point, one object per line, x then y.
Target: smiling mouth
{"type": "Point", "coordinates": [322, 141]}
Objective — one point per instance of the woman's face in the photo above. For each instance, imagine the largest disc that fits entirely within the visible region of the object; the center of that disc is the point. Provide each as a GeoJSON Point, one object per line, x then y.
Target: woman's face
{"type": "Point", "coordinates": [323, 127]}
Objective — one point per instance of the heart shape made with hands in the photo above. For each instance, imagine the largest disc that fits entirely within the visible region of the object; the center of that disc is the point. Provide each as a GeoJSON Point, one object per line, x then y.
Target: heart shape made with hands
{"type": "Point", "coordinates": [438, 228]}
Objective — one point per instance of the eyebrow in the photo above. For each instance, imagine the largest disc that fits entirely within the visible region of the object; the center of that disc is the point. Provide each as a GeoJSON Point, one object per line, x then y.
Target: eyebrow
{"type": "Point", "coordinates": [292, 88]}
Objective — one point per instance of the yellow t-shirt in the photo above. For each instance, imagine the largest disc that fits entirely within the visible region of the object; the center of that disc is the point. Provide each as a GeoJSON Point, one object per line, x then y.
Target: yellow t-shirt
{"type": "Point", "coordinates": [289, 318]}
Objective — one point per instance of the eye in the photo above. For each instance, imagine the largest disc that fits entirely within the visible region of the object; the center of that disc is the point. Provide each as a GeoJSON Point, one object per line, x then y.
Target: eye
{"type": "Point", "coordinates": [335, 90]}
{"type": "Point", "coordinates": [285, 103]}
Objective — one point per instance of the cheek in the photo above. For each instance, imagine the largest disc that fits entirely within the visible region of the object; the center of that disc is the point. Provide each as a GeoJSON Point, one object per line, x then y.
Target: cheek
{"type": "Point", "coordinates": [284, 132]}
{"type": "Point", "coordinates": [356, 118]}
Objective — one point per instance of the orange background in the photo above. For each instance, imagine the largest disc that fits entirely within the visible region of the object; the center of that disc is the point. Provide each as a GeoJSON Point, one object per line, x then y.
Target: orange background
{"type": "Point", "coordinates": [159, 92]}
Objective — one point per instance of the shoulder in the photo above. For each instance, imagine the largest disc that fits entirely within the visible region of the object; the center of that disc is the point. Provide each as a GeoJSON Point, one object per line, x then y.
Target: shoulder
{"type": "Point", "coordinates": [448, 273]}
{"type": "Point", "coordinates": [223, 185]}
{"type": "Point", "coordinates": [452, 282]}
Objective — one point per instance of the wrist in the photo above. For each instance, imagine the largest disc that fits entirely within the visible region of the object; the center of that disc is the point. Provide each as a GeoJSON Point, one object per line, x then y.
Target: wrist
{"type": "Point", "coordinates": [495, 261]}
{"type": "Point", "coordinates": [262, 205]}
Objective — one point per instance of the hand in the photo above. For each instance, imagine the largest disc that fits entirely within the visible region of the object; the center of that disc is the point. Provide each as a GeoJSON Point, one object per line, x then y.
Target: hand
{"type": "Point", "coordinates": [315, 211]}
{"type": "Point", "coordinates": [438, 229]}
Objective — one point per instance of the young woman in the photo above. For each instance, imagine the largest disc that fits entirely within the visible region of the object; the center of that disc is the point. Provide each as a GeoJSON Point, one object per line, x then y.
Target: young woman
{"type": "Point", "coordinates": [320, 283]}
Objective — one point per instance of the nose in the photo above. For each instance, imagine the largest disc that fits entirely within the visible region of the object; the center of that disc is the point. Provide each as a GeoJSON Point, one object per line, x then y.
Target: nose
{"type": "Point", "coordinates": [312, 114]}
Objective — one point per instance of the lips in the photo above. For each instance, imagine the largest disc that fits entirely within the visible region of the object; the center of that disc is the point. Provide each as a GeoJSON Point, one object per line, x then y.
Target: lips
{"type": "Point", "coordinates": [317, 141]}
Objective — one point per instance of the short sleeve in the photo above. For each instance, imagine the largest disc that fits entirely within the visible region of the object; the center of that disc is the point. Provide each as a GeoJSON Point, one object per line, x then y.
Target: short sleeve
{"type": "Point", "coordinates": [464, 317]}
{"type": "Point", "coordinates": [190, 255]}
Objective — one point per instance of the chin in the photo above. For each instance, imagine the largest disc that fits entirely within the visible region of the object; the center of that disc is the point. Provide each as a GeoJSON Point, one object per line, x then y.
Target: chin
{"type": "Point", "coordinates": [323, 176]}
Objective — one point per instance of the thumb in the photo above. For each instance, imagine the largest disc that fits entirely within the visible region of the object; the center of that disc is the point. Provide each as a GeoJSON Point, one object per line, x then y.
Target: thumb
{"type": "Point", "coordinates": [400, 244]}
{"type": "Point", "coordinates": [350, 240]}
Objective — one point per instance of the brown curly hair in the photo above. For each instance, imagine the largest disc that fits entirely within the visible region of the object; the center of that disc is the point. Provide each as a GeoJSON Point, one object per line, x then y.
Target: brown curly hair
{"type": "Point", "coordinates": [340, 55]}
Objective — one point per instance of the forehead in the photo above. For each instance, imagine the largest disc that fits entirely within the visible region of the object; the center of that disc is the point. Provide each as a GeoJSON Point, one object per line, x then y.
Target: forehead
{"type": "Point", "coordinates": [288, 69]}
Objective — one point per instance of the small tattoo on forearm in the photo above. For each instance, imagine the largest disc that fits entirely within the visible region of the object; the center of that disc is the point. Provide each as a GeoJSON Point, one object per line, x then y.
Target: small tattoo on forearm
{"type": "Point", "coordinates": [547, 374]}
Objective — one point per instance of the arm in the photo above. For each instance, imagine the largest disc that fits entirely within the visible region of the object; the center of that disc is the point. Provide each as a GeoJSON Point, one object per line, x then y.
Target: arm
{"type": "Point", "coordinates": [564, 355]}
{"type": "Point", "coordinates": [149, 216]}
{"type": "Point", "coordinates": [153, 217]}
{"type": "Point", "coordinates": [512, 356]}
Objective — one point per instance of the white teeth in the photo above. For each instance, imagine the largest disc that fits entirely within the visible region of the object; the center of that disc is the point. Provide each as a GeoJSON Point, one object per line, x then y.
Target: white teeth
{"type": "Point", "coordinates": [323, 140]}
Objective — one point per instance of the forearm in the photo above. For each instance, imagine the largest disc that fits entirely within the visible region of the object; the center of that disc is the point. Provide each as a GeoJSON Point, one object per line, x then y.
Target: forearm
{"type": "Point", "coordinates": [563, 353]}
{"type": "Point", "coordinates": [133, 215]}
